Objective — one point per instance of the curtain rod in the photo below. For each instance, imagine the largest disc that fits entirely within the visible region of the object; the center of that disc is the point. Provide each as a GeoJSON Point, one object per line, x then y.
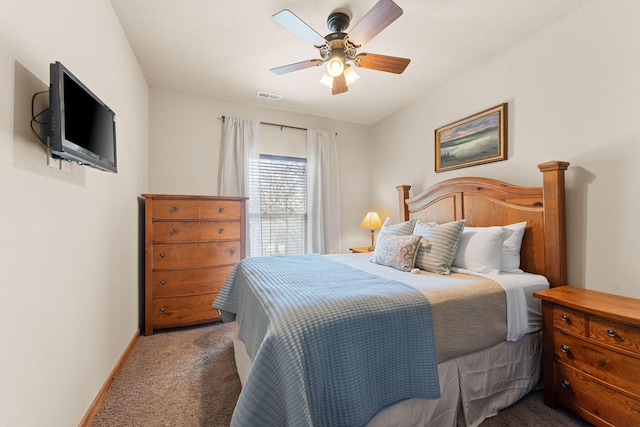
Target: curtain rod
{"type": "Point", "coordinates": [278, 125]}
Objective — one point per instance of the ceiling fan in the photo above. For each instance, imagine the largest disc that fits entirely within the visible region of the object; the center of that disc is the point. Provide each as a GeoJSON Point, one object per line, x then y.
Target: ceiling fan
{"type": "Point", "coordinates": [339, 50]}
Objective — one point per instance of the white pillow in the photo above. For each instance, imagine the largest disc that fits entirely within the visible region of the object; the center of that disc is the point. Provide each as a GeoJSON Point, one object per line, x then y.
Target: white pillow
{"type": "Point", "coordinates": [511, 248]}
{"type": "Point", "coordinates": [480, 249]}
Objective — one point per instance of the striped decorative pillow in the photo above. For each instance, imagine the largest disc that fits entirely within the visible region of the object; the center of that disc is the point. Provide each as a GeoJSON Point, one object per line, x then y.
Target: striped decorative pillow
{"type": "Point", "coordinates": [444, 239]}
{"type": "Point", "coordinates": [400, 229]}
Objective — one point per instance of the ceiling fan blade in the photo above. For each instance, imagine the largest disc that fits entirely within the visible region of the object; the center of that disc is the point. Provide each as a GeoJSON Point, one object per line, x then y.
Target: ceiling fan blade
{"type": "Point", "coordinates": [377, 19]}
{"type": "Point", "coordinates": [297, 26]}
{"type": "Point", "coordinates": [389, 64]}
{"type": "Point", "coordinates": [297, 66]}
{"type": "Point", "coordinates": [339, 85]}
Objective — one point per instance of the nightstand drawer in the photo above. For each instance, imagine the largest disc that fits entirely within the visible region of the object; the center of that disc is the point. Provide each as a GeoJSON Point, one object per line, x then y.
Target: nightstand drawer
{"type": "Point", "coordinates": [616, 369]}
{"type": "Point", "coordinates": [613, 333]}
{"type": "Point", "coordinates": [362, 250]}
{"type": "Point", "coordinates": [569, 319]}
{"type": "Point", "coordinates": [185, 231]}
{"type": "Point", "coordinates": [583, 393]}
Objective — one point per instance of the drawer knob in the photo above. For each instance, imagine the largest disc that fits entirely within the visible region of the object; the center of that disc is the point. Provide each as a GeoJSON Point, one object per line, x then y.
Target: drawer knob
{"type": "Point", "coordinates": [220, 210]}
{"type": "Point", "coordinates": [565, 317]}
{"type": "Point", "coordinates": [565, 384]}
{"type": "Point", "coordinates": [611, 332]}
{"type": "Point", "coordinates": [161, 282]}
{"type": "Point", "coordinates": [161, 255]}
{"type": "Point", "coordinates": [232, 251]}
{"type": "Point", "coordinates": [174, 208]}
{"type": "Point", "coordinates": [174, 231]}
{"type": "Point", "coordinates": [564, 348]}
{"type": "Point", "coordinates": [162, 310]}
{"type": "Point", "coordinates": [220, 230]}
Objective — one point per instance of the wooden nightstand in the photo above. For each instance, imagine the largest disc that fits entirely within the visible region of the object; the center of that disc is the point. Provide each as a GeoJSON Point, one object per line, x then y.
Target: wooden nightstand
{"type": "Point", "coordinates": [362, 250]}
{"type": "Point", "coordinates": [591, 354]}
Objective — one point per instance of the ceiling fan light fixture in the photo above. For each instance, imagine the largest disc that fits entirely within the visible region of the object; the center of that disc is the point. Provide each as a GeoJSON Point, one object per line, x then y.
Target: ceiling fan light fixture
{"type": "Point", "coordinates": [350, 75]}
{"type": "Point", "coordinates": [339, 50]}
{"type": "Point", "coordinates": [335, 65]}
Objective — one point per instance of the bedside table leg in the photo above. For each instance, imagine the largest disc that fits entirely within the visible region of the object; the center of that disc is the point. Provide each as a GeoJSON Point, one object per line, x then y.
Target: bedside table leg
{"type": "Point", "coordinates": [547, 354]}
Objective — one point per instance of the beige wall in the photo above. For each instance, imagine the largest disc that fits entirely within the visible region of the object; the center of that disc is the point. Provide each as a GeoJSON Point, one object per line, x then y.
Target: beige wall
{"type": "Point", "coordinates": [573, 94]}
{"type": "Point", "coordinates": [572, 91]}
{"type": "Point", "coordinates": [68, 240]}
{"type": "Point", "coordinates": [185, 132]}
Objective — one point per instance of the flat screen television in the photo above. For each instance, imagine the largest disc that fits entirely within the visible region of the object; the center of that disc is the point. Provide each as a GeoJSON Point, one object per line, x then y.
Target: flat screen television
{"type": "Point", "coordinates": [81, 128]}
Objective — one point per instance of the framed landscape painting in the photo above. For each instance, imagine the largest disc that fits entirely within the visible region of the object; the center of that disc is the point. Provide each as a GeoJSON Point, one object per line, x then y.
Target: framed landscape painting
{"type": "Point", "coordinates": [478, 139]}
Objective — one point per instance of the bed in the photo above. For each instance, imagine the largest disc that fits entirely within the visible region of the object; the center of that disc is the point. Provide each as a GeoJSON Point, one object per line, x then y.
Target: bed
{"type": "Point", "coordinates": [340, 340]}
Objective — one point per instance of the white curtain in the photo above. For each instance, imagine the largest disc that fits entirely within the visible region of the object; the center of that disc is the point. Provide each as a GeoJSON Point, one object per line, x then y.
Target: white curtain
{"type": "Point", "coordinates": [323, 199]}
{"type": "Point", "coordinates": [240, 151]}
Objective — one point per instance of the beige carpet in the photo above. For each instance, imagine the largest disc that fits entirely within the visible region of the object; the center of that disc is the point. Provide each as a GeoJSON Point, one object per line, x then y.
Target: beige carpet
{"type": "Point", "coordinates": [178, 378]}
{"type": "Point", "coordinates": [188, 378]}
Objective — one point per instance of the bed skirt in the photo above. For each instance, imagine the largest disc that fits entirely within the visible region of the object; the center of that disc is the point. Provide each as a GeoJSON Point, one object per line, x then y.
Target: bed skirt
{"type": "Point", "coordinates": [473, 387]}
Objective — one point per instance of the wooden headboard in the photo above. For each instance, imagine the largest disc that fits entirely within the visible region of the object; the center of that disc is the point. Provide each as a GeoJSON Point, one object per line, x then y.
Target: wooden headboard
{"type": "Point", "coordinates": [484, 202]}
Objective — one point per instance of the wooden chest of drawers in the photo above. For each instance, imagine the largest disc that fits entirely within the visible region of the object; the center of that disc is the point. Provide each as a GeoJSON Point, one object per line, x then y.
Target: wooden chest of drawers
{"type": "Point", "coordinates": [191, 245]}
{"type": "Point", "coordinates": [591, 354]}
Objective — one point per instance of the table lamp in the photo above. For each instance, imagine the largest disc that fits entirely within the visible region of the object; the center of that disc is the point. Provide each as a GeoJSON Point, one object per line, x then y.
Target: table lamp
{"type": "Point", "coordinates": [371, 222]}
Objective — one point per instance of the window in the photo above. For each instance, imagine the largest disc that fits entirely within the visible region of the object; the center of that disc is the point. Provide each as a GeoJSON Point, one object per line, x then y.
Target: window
{"type": "Point", "coordinates": [283, 199]}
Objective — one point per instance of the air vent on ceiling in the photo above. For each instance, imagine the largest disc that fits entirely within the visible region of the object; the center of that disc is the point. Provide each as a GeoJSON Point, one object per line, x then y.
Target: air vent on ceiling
{"type": "Point", "coordinates": [271, 96]}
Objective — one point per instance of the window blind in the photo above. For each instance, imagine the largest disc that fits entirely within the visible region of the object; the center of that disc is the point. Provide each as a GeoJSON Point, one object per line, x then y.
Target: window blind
{"type": "Point", "coordinates": [283, 200]}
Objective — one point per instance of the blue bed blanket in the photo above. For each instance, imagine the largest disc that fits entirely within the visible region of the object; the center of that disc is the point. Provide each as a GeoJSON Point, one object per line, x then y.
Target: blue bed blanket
{"type": "Point", "coordinates": [330, 345]}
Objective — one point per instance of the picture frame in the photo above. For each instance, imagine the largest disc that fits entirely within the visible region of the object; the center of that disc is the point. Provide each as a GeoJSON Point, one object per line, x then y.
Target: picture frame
{"type": "Point", "coordinates": [474, 140]}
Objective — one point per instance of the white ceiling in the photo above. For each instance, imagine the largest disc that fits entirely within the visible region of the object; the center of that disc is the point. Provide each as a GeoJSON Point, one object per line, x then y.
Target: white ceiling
{"type": "Point", "coordinates": [225, 49]}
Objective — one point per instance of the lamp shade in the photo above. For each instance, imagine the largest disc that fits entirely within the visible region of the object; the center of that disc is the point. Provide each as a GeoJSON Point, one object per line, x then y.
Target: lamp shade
{"type": "Point", "coordinates": [350, 75]}
{"type": "Point", "coordinates": [327, 80]}
{"type": "Point", "coordinates": [371, 221]}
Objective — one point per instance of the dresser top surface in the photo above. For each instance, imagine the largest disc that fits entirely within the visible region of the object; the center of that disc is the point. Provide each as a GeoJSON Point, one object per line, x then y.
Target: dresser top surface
{"type": "Point", "coordinates": [615, 307]}
{"type": "Point", "coordinates": [192, 197]}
